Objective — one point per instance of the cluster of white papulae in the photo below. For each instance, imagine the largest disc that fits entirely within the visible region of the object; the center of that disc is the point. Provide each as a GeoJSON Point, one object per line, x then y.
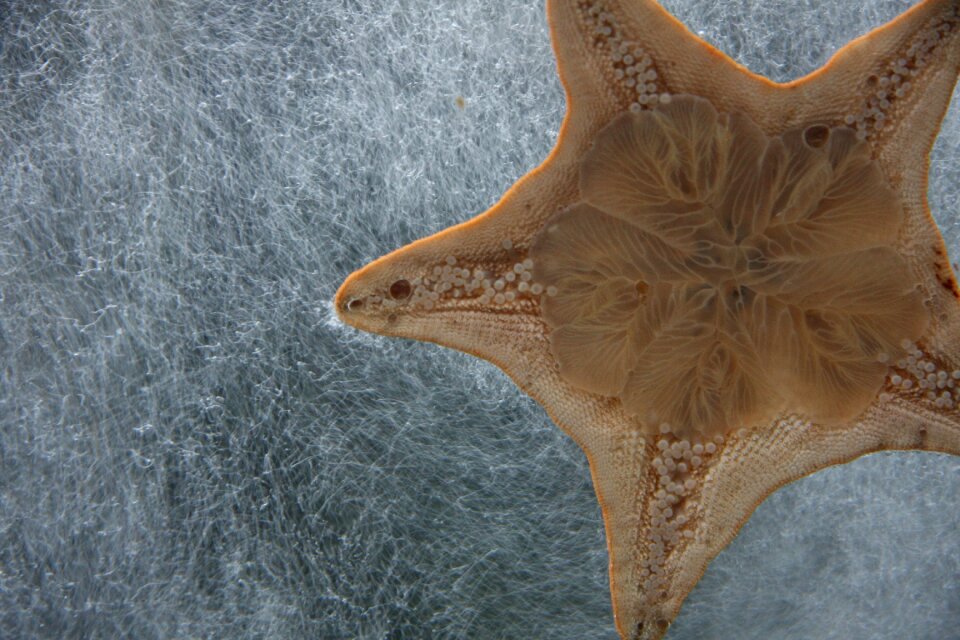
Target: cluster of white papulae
{"type": "Point", "coordinates": [712, 276]}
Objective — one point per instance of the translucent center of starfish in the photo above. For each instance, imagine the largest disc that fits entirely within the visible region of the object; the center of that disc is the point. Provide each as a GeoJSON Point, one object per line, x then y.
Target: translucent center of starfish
{"type": "Point", "coordinates": [712, 276]}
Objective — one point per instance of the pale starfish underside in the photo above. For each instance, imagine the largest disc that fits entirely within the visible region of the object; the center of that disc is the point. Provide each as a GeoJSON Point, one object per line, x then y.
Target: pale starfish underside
{"type": "Point", "coordinates": [806, 366]}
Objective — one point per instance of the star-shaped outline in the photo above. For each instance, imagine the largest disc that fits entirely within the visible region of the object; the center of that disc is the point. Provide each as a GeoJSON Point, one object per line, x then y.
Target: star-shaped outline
{"type": "Point", "coordinates": [842, 93]}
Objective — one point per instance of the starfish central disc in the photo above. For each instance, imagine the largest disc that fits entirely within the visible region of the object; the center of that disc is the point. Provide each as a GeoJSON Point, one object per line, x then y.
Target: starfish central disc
{"type": "Point", "coordinates": [712, 275]}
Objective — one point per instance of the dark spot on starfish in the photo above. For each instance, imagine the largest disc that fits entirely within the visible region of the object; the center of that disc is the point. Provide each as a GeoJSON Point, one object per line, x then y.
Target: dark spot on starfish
{"type": "Point", "coordinates": [815, 136]}
{"type": "Point", "coordinates": [944, 274]}
{"type": "Point", "coordinates": [400, 290]}
{"type": "Point", "coordinates": [660, 625]}
{"type": "Point", "coordinates": [950, 284]}
{"type": "Point", "coordinates": [355, 304]}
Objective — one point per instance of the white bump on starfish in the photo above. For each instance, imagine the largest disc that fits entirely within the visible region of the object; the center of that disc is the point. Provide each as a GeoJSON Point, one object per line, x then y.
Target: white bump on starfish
{"type": "Point", "coordinates": [921, 373]}
{"type": "Point", "coordinates": [631, 67]}
{"type": "Point", "coordinates": [678, 465]}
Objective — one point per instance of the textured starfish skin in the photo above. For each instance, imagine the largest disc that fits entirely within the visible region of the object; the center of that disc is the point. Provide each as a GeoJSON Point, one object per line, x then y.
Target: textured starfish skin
{"type": "Point", "coordinates": [750, 464]}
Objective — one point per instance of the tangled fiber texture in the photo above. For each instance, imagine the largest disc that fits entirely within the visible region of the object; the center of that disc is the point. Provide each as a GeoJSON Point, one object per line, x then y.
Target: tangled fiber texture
{"type": "Point", "coordinates": [192, 446]}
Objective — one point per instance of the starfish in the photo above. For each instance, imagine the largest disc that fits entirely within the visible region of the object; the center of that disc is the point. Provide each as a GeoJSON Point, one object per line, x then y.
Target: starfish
{"type": "Point", "coordinates": [715, 284]}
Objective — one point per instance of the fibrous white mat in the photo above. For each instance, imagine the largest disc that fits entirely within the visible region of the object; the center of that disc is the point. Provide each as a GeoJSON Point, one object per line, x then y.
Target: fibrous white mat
{"type": "Point", "coordinates": [191, 445]}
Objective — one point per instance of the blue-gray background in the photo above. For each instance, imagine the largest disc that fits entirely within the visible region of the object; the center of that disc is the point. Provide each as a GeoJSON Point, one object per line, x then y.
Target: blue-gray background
{"type": "Point", "coordinates": [191, 445]}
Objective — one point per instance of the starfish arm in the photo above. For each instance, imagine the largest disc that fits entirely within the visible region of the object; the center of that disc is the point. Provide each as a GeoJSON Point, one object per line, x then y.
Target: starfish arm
{"type": "Point", "coordinates": [433, 289]}
{"type": "Point", "coordinates": [468, 287]}
{"type": "Point", "coordinates": [651, 572]}
{"type": "Point", "coordinates": [916, 408]}
{"type": "Point", "coordinates": [895, 83]}
{"type": "Point", "coordinates": [623, 53]}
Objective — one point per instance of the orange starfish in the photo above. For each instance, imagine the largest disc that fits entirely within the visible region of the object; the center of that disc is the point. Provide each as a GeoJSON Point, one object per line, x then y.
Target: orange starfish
{"type": "Point", "coordinates": [716, 284]}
